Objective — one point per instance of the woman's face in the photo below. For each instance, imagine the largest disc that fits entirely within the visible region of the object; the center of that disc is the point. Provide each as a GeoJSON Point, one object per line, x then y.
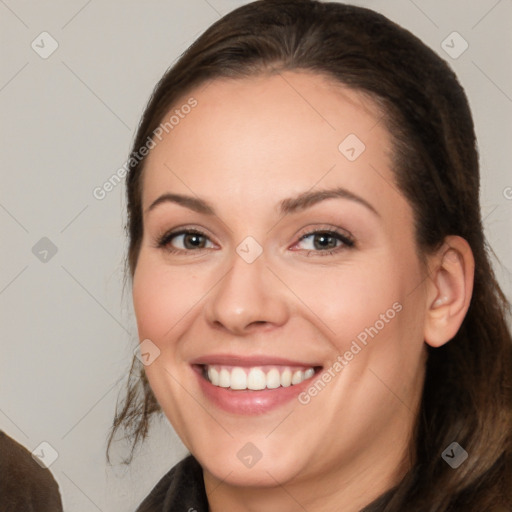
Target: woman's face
{"type": "Point", "coordinates": [316, 302]}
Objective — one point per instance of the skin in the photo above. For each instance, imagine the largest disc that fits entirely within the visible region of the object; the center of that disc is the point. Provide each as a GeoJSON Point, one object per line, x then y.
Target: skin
{"type": "Point", "coordinates": [247, 145]}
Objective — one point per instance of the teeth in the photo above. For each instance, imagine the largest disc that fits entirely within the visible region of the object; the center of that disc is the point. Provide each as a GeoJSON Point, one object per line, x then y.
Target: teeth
{"type": "Point", "coordinates": [286, 378]}
{"type": "Point", "coordinates": [238, 378]}
{"type": "Point", "coordinates": [309, 373]}
{"type": "Point", "coordinates": [224, 378]}
{"type": "Point", "coordinates": [256, 379]}
{"type": "Point", "coordinates": [213, 375]}
{"type": "Point", "coordinates": [273, 379]}
{"type": "Point", "coordinates": [297, 377]}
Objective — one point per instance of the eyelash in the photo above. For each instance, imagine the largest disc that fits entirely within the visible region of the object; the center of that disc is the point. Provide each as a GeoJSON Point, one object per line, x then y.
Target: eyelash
{"type": "Point", "coordinates": [164, 241]}
{"type": "Point", "coordinates": [347, 241]}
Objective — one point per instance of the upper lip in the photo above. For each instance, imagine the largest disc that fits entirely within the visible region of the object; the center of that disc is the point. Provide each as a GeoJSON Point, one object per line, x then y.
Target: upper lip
{"type": "Point", "coordinates": [239, 360]}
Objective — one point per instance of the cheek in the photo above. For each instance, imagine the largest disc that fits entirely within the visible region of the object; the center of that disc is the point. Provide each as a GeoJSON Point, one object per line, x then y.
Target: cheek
{"type": "Point", "coordinates": [368, 312]}
{"type": "Point", "coordinates": [162, 298]}
{"type": "Point", "coordinates": [349, 298]}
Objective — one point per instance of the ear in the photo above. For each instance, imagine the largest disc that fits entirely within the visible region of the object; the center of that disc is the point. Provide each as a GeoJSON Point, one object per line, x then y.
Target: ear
{"type": "Point", "coordinates": [449, 291]}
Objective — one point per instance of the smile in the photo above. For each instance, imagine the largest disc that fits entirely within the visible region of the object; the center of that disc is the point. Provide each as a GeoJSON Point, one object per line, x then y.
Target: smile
{"type": "Point", "coordinates": [252, 385]}
{"type": "Point", "coordinates": [256, 378]}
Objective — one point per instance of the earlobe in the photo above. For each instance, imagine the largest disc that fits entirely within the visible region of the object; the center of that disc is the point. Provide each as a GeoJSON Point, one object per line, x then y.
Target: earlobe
{"type": "Point", "coordinates": [449, 290]}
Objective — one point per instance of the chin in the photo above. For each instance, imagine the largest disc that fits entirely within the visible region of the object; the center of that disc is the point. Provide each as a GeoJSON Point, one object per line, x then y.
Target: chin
{"type": "Point", "coordinates": [249, 466]}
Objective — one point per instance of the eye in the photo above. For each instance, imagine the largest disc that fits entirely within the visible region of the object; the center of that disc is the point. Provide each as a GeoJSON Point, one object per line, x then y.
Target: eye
{"type": "Point", "coordinates": [184, 240]}
{"type": "Point", "coordinates": [325, 242]}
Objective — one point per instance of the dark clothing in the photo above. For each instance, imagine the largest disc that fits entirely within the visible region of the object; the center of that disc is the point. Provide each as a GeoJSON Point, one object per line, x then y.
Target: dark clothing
{"type": "Point", "coordinates": [25, 486]}
{"type": "Point", "coordinates": [182, 489]}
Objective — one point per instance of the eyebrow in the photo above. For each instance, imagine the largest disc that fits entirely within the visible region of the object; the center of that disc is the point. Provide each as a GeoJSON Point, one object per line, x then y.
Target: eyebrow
{"type": "Point", "coordinates": [286, 206]}
{"type": "Point", "coordinates": [192, 203]}
{"type": "Point", "coordinates": [310, 198]}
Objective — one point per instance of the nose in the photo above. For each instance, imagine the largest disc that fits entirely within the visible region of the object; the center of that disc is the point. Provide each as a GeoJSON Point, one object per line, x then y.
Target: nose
{"type": "Point", "coordinates": [248, 298]}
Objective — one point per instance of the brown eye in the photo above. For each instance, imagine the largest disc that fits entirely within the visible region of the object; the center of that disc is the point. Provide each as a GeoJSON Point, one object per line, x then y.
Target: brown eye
{"type": "Point", "coordinates": [184, 240]}
{"type": "Point", "coordinates": [193, 241]}
{"type": "Point", "coordinates": [324, 242]}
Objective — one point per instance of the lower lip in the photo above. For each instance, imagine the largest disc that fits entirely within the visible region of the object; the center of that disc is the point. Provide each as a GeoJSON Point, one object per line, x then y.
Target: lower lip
{"type": "Point", "coordinates": [248, 402]}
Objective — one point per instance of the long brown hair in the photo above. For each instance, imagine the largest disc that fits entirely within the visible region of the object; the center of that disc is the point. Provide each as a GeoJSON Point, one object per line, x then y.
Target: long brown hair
{"type": "Point", "coordinates": [467, 394]}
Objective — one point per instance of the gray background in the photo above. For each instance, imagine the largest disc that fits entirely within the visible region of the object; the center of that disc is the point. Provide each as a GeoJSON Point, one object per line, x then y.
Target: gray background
{"type": "Point", "coordinates": [67, 123]}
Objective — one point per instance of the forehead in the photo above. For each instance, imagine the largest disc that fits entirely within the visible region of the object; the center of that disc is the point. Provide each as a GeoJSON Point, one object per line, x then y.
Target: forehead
{"type": "Point", "coordinates": [273, 136]}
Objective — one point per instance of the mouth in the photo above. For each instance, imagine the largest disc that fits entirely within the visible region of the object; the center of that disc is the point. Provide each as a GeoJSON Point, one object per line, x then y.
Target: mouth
{"type": "Point", "coordinates": [252, 385]}
{"type": "Point", "coordinates": [256, 378]}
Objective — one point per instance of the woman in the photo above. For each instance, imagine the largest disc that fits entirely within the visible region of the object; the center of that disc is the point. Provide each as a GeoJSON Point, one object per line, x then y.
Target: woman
{"type": "Point", "coordinates": [318, 317]}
